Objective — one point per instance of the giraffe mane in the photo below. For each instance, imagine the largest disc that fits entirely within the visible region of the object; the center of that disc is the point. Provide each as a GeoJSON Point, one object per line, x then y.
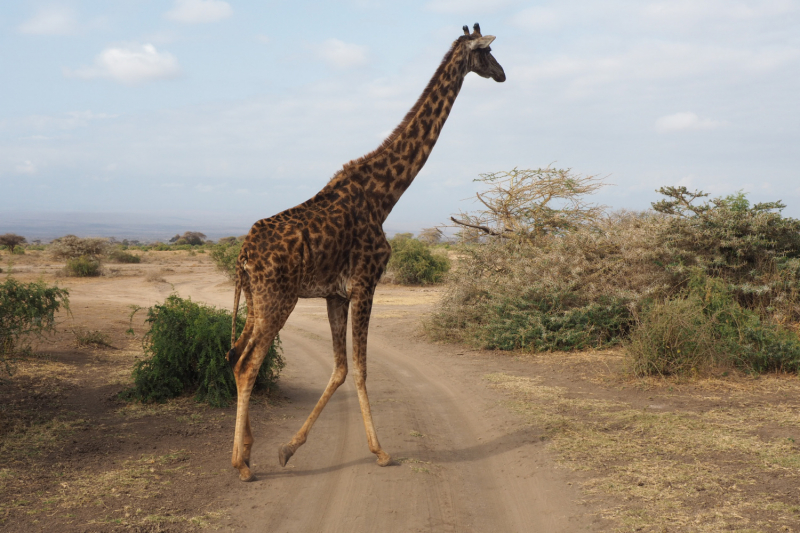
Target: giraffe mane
{"type": "Point", "coordinates": [412, 112]}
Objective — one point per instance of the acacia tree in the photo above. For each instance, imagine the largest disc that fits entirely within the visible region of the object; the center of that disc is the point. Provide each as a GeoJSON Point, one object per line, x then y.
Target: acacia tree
{"type": "Point", "coordinates": [532, 203]}
{"type": "Point", "coordinates": [430, 235]}
{"type": "Point", "coordinates": [11, 241]}
{"type": "Point", "coordinates": [189, 237]}
{"type": "Point", "coordinates": [71, 247]}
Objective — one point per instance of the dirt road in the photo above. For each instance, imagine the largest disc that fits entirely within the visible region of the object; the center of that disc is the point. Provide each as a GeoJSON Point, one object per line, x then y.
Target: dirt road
{"type": "Point", "coordinates": [462, 463]}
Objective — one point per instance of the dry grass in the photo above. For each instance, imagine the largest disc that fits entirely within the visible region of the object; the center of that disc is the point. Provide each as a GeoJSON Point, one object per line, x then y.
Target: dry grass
{"type": "Point", "coordinates": [115, 493]}
{"type": "Point", "coordinates": [672, 470]}
{"type": "Point", "coordinates": [155, 276]}
{"type": "Point", "coordinates": [39, 436]}
{"type": "Point", "coordinates": [86, 337]}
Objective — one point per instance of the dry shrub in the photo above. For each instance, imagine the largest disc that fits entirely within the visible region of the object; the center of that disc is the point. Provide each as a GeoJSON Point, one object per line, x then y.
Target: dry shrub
{"type": "Point", "coordinates": [704, 328]}
{"type": "Point", "coordinates": [83, 256]}
{"type": "Point", "coordinates": [568, 291]}
{"type": "Point", "coordinates": [155, 276]}
{"type": "Point", "coordinates": [675, 337]}
{"type": "Point", "coordinates": [72, 247]}
{"type": "Point", "coordinates": [559, 276]}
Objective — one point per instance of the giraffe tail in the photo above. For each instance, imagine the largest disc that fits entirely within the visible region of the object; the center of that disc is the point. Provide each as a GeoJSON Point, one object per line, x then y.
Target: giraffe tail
{"type": "Point", "coordinates": [232, 356]}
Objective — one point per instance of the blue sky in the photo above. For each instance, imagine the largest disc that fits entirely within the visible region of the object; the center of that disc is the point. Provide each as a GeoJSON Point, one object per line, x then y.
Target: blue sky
{"type": "Point", "coordinates": [223, 112]}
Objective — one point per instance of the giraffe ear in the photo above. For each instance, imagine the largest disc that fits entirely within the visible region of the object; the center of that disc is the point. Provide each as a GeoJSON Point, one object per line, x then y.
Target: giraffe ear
{"type": "Point", "coordinates": [480, 42]}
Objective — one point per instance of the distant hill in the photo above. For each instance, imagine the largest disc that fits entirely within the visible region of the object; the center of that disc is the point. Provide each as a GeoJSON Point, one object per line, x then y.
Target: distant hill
{"type": "Point", "coordinates": [146, 227]}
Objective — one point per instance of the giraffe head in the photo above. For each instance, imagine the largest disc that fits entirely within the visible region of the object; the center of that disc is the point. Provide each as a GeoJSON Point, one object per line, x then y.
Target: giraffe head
{"type": "Point", "coordinates": [480, 59]}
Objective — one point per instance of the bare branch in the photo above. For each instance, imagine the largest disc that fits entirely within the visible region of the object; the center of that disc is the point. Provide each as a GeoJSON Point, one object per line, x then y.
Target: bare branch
{"type": "Point", "coordinates": [485, 229]}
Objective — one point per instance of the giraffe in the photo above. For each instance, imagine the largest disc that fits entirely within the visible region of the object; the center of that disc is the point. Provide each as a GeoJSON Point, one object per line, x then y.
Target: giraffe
{"type": "Point", "coordinates": [333, 246]}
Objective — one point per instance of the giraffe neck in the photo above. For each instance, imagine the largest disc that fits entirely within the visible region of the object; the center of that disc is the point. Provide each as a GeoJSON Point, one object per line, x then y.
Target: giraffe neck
{"type": "Point", "coordinates": [386, 173]}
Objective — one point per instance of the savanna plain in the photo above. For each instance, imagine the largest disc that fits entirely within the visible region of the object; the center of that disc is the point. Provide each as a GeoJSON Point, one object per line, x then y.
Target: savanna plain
{"type": "Point", "coordinates": [481, 440]}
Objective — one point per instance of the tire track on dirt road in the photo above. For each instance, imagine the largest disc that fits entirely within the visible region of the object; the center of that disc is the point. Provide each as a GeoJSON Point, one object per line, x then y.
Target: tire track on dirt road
{"type": "Point", "coordinates": [462, 463]}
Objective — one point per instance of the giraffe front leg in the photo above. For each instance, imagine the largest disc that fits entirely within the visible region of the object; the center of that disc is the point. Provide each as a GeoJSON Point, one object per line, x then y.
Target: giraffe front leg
{"type": "Point", "coordinates": [337, 316]}
{"type": "Point", "coordinates": [362, 307]}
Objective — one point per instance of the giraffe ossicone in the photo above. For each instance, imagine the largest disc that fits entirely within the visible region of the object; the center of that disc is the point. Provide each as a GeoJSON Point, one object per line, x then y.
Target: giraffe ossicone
{"type": "Point", "coordinates": [333, 246]}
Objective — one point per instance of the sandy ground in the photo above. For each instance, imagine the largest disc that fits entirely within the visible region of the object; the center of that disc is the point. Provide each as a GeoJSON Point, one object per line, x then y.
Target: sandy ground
{"type": "Point", "coordinates": [481, 441]}
{"type": "Point", "coordinates": [462, 462]}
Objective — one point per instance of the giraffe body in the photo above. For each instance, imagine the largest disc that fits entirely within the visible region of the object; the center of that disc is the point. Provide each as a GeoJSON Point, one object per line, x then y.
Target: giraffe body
{"type": "Point", "coordinates": [333, 246]}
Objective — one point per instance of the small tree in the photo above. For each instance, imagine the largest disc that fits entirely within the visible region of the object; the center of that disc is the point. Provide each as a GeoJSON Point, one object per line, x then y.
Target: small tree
{"type": "Point", "coordinates": [26, 309]}
{"type": "Point", "coordinates": [83, 256]}
{"type": "Point", "coordinates": [532, 203]}
{"type": "Point", "coordinates": [189, 237]}
{"type": "Point", "coordinates": [72, 247]}
{"type": "Point", "coordinates": [431, 235]}
{"type": "Point", "coordinates": [11, 241]}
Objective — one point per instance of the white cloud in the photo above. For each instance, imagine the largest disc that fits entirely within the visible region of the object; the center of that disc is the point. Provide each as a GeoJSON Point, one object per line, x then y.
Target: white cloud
{"type": "Point", "coordinates": [26, 168]}
{"type": "Point", "coordinates": [131, 64]}
{"type": "Point", "coordinates": [263, 39]}
{"type": "Point", "coordinates": [199, 11]}
{"type": "Point", "coordinates": [685, 121]}
{"type": "Point", "coordinates": [52, 20]}
{"type": "Point", "coordinates": [342, 55]}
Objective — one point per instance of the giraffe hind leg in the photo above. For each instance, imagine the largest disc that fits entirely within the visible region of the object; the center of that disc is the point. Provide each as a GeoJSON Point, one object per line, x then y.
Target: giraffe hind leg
{"type": "Point", "coordinates": [238, 347]}
{"type": "Point", "coordinates": [263, 334]}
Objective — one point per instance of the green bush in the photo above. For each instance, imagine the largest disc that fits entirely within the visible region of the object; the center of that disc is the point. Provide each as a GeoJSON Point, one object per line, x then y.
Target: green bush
{"type": "Point", "coordinates": [753, 248]}
{"type": "Point", "coordinates": [82, 267]}
{"type": "Point", "coordinates": [540, 322]}
{"type": "Point", "coordinates": [706, 327]}
{"type": "Point", "coordinates": [224, 256]}
{"type": "Point", "coordinates": [121, 256]}
{"type": "Point", "coordinates": [27, 308]}
{"type": "Point", "coordinates": [412, 262]}
{"type": "Point", "coordinates": [186, 346]}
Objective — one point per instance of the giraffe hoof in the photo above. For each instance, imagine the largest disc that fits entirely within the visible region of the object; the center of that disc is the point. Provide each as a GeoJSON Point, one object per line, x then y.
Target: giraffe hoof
{"type": "Point", "coordinates": [384, 459]}
{"type": "Point", "coordinates": [284, 454]}
{"type": "Point", "coordinates": [246, 475]}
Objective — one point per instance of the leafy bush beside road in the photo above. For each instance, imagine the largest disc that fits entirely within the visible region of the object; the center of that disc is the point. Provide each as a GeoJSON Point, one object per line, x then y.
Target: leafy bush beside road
{"type": "Point", "coordinates": [185, 348]}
